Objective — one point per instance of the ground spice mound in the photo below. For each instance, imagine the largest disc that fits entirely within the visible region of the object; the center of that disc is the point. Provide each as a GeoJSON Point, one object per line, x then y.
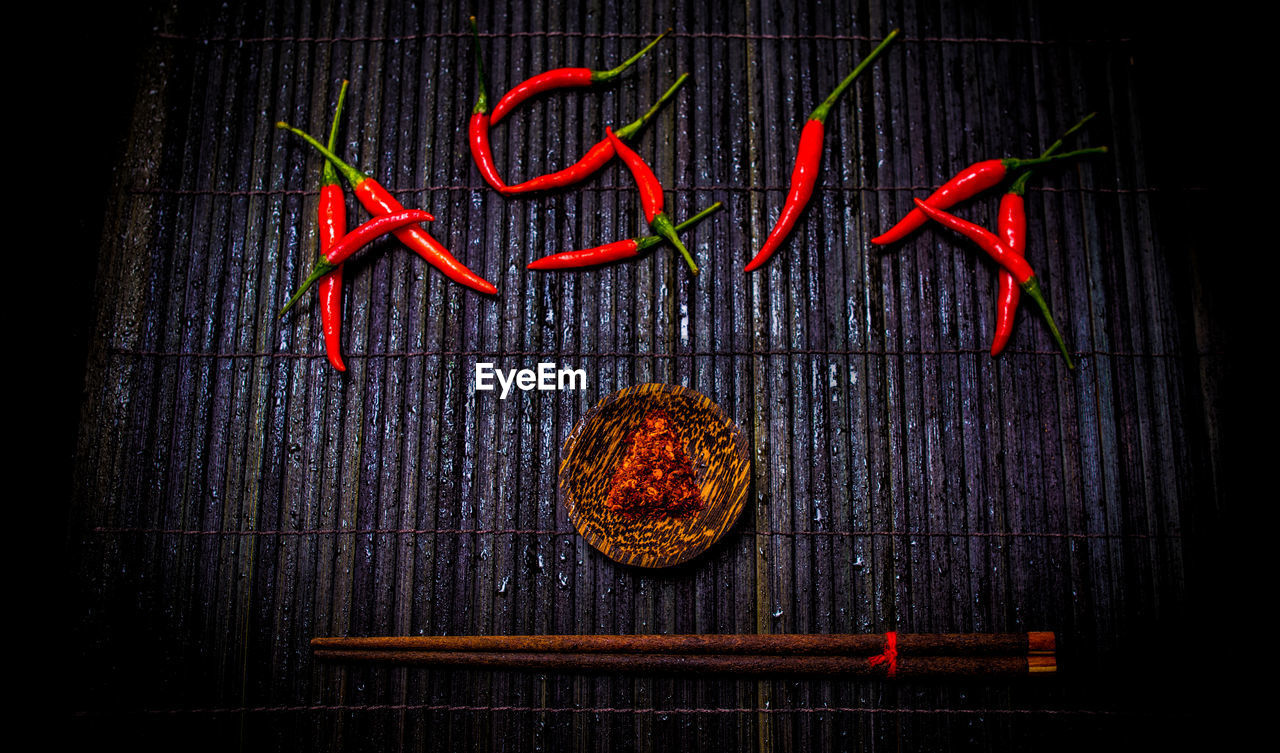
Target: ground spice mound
{"type": "Point", "coordinates": [655, 477]}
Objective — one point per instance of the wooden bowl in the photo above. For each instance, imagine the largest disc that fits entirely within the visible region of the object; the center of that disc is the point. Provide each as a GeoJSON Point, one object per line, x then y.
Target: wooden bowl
{"type": "Point", "coordinates": [722, 471]}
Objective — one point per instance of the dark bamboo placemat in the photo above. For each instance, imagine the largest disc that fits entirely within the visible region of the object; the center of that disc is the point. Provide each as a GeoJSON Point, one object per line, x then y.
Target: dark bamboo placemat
{"type": "Point", "coordinates": [235, 497]}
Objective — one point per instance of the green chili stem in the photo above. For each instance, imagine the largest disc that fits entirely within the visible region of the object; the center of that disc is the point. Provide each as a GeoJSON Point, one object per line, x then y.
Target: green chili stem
{"type": "Point", "coordinates": [653, 240]}
{"type": "Point", "coordinates": [1019, 185]}
{"type": "Point", "coordinates": [482, 102]}
{"type": "Point", "coordinates": [662, 224]}
{"type": "Point", "coordinates": [612, 73]}
{"type": "Point", "coordinates": [321, 269]}
{"type": "Point", "coordinates": [820, 114]}
{"type": "Point", "coordinates": [699, 217]}
{"type": "Point", "coordinates": [631, 128]}
{"type": "Point", "coordinates": [1057, 144]}
{"type": "Point", "coordinates": [1021, 164]}
{"type": "Point", "coordinates": [1032, 288]}
{"type": "Point", "coordinates": [329, 176]}
{"type": "Point", "coordinates": [353, 176]}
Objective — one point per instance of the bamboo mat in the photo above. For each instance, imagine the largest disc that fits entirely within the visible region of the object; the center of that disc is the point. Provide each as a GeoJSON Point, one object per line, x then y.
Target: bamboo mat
{"type": "Point", "coordinates": [234, 496]}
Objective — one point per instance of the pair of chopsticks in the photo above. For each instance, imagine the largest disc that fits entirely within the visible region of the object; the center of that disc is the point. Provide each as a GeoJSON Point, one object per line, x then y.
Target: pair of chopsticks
{"type": "Point", "coordinates": [871, 655]}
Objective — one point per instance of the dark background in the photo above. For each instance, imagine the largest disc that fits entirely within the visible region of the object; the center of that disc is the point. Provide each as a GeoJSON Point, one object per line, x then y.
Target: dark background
{"type": "Point", "coordinates": [145, 671]}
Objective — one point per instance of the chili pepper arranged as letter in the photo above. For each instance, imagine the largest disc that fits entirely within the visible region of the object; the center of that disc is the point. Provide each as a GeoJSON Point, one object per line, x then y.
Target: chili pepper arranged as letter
{"type": "Point", "coordinates": [597, 156]}
{"type": "Point", "coordinates": [1012, 228]}
{"type": "Point", "coordinates": [478, 126]}
{"type": "Point", "coordinates": [808, 159]}
{"type": "Point", "coordinates": [356, 240]}
{"type": "Point", "coordinates": [1005, 256]}
{"type": "Point", "coordinates": [968, 183]}
{"type": "Point", "coordinates": [625, 249]}
{"type": "Point", "coordinates": [650, 196]}
{"type": "Point", "coordinates": [560, 78]}
{"type": "Point", "coordinates": [332, 213]}
{"type": "Point", "coordinates": [378, 200]}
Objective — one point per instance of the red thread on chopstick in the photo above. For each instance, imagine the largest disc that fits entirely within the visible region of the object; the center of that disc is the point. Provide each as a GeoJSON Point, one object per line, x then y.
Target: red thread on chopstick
{"type": "Point", "coordinates": [889, 655]}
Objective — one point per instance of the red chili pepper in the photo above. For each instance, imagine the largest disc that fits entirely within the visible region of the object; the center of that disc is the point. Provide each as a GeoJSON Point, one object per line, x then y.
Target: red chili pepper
{"type": "Point", "coordinates": [332, 212]}
{"type": "Point", "coordinates": [356, 240]}
{"type": "Point", "coordinates": [650, 196]}
{"type": "Point", "coordinates": [1012, 227]}
{"type": "Point", "coordinates": [1015, 264]}
{"type": "Point", "coordinates": [379, 200]}
{"type": "Point", "coordinates": [597, 156]}
{"type": "Point", "coordinates": [968, 183]}
{"type": "Point", "coordinates": [369, 231]}
{"type": "Point", "coordinates": [626, 249]}
{"type": "Point", "coordinates": [478, 127]}
{"type": "Point", "coordinates": [803, 178]}
{"type": "Point", "coordinates": [808, 159]}
{"type": "Point", "coordinates": [560, 78]}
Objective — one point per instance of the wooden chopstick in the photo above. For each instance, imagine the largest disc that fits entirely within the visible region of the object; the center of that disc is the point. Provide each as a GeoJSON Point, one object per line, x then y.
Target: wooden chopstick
{"type": "Point", "coordinates": [915, 655]}
{"type": "Point", "coordinates": [737, 664]}
{"type": "Point", "coordinates": [946, 644]}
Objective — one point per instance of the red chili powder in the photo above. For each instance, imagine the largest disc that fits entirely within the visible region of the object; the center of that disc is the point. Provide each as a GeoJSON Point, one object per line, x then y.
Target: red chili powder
{"type": "Point", "coordinates": [655, 477]}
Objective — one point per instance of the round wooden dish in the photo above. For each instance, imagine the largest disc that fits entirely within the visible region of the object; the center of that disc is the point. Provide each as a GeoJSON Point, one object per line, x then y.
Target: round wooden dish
{"type": "Point", "coordinates": [722, 470]}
